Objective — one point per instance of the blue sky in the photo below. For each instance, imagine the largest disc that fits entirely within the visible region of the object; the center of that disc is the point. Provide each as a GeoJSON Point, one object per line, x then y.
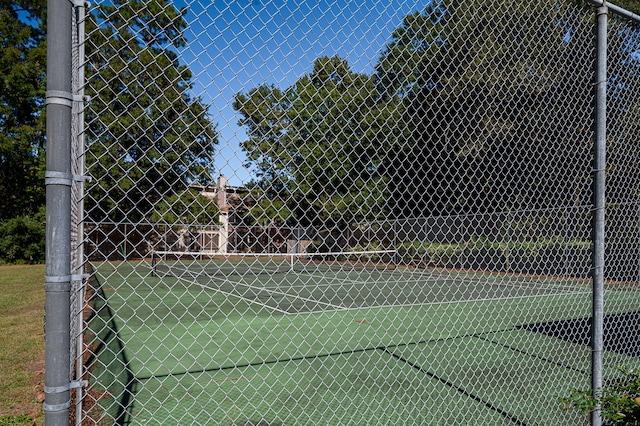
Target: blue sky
{"type": "Point", "coordinates": [234, 46]}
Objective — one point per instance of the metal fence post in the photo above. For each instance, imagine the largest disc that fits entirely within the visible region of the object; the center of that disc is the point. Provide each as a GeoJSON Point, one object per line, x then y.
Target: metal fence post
{"type": "Point", "coordinates": [58, 180]}
{"type": "Point", "coordinates": [597, 331]}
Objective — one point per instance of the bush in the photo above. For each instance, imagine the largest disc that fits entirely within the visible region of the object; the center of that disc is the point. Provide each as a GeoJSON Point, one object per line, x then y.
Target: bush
{"type": "Point", "coordinates": [22, 240]}
{"type": "Point", "coordinates": [545, 256]}
{"type": "Point", "coordinates": [441, 254]}
{"type": "Point", "coordinates": [370, 257]}
{"type": "Point", "coordinates": [619, 402]}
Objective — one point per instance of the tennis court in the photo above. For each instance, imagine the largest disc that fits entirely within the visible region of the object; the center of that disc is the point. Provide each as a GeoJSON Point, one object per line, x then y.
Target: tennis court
{"type": "Point", "coordinates": [260, 340]}
{"type": "Point", "coordinates": [352, 280]}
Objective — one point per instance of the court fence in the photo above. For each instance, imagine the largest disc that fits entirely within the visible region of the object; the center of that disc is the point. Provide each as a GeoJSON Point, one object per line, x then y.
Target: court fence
{"type": "Point", "coordinates": [339, 212]}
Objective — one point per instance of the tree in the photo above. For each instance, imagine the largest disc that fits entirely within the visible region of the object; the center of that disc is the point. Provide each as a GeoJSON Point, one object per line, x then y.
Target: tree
{"type": "Point", "coordinates": [316, 147]}
{"type": "Point", "coordinates": [185, 208]}
{"type": "Point", "coordinates": [493, 108]}
{"type": "Point", "coordinates": [22, 240]}
{"type": "Point", "coordinates": [473, 107]}
{"type": "Point", "coordinates": [22, 123]}
{"type": "Point", "coordinates": [623, 113]}
{"type": "Point", "coordinates": [148, 138]}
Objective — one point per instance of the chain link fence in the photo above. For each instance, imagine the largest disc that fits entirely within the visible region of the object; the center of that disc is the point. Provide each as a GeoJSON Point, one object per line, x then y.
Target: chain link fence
{"type": "Point", "coordinates": [334, 212]}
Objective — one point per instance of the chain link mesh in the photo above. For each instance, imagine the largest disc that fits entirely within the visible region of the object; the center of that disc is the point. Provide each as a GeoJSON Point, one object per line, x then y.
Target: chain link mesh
{"type": "Point", "coordinates": [622, 316]}
{"type": "Point", "coordinates": [351, 212]}
{"type": "Point", "coordinates": [77, 296]}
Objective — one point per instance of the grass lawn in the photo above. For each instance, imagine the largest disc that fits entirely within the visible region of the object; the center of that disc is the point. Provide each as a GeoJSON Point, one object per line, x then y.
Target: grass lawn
{"type": "Point", "coordinates": [21, 344]}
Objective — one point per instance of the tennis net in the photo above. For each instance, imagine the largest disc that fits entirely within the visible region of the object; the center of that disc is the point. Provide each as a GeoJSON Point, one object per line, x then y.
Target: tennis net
{"type": "Point", "coordinates": [193, 264]}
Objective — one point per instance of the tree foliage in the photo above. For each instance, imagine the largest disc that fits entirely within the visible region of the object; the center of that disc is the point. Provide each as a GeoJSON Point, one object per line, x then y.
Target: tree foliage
{"type": "Point", "coordinates": [22, 87]}
{"type": "Point", "coordinates": [184, 208]}
{"type": "Point", "coordinates": [465, 112]}
{"type": "Point", "coordinates": [22, 239]}
{"type": "Point", "coordinates": [493, 110]}
{"type": "Point", "coordinates": [315, 146]}
{"type": "Point", "coordinates": [619, 401]}
{"type": "Point", "coordinates": [623, 113]}
{"type": "Point", "coordinates": [149, 138]}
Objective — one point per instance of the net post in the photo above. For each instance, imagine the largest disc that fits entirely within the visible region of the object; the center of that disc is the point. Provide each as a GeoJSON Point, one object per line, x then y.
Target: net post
{"type": "Point", "coordinates": [153, 263]}
{"type": "Point", "coordinates": [396, 257]}
{"type": "Point", "coordinates": [395, 260]}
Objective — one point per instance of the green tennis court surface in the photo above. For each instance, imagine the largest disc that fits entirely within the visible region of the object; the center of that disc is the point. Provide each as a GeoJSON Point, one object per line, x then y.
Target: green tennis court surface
{"type": "Point", "coordinates": [322, 285]}
{"type": "Point", "coordinates": [347, 347]}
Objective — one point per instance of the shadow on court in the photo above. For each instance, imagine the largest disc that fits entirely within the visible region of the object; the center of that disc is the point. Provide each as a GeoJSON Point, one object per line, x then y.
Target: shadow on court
{"type": "Point", "coordinates": [621, 332]}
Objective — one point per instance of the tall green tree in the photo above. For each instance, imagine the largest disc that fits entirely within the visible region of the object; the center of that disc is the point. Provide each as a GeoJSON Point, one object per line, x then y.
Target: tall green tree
{"type": "Point", "coordinates": [623, 113]}
{"type": "Point", "coordinates": [498, 110]}
{"type": "Point", "coordinates": [317, 147]}
{"type": "Point", "coordinates": [473, 107]}
{"type": "Point", "coordinates": [149, 138]}
{"type": "Point", "coordinates": [22, 123]}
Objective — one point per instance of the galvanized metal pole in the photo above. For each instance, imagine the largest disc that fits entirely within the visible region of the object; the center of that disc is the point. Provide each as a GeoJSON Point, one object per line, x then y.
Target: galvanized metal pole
{"type": "Point", "coordinates": [616, 9]}
{"type": "Point", "coordinates": [597, 330]}
{"type": "Point", "coordinates": [58, 180]}
{"type": "Point", "coordinates": [78, 88]}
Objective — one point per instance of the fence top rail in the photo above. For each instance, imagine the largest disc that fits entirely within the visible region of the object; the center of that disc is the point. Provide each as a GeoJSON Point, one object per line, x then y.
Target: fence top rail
{"type": "Point", "coordinates": [616, 9]}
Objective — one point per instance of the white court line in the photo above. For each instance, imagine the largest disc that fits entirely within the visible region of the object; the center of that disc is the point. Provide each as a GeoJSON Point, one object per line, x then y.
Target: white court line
{"type": "Point", "coordinates": [337, 308]}
{"type": "Point", "coordinates": [448, 302]}
{"type": "Point", "coordinates": [270, 290]}
{"type": "Point", "coordinates": [350, 281]}
{"type": "Point", "coordinates": [425, 280]}
{"type": "Point", "coordinates": [336, 281]}
{"type": "Point", "coordinates": [260, 288]}
{"type": "Point", "coordinates": [246, 299]}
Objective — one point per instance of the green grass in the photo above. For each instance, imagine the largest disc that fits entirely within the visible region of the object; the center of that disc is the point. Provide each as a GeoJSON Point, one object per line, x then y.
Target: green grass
{"type": "Point", "coordinates": [21, 343]}
{"type": "Point", "coordinates": [11, 420]}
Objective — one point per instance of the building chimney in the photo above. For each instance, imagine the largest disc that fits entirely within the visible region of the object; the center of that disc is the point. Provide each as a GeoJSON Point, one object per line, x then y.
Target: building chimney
{"type": "Point", "coordinates": [222, 192]}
